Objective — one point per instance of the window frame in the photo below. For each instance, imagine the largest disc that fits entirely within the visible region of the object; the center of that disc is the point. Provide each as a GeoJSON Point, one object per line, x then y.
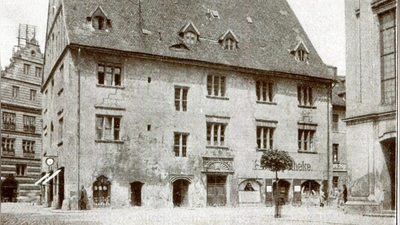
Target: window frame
{"type": "Point", "coordinates": [388, 96]}
{"type": "Point", "coordinates": [114, 75]}
{"type": "Point", "coordinates": [181, 102]}
{"type": "Point", "coordinates": [28, 146]}
{"type": "Point", "coordinates": [265, 91]}
{"type": "Point", "coordinates": [113, 127]}
{"type": "Point", "coordinates": [217, 89]}
{"type": "Point", "coordinates": [8, 144]}
{"type": "Point", "coordinates": [27, 68]}
{"type": "Point", "coordinates": [29, 123]}
{"type": "Point", "coordinates": [335, 122]}
{"type": "Point", "coordinates": [335, 153]}
{"type": "Point", "coordinates": [38, 71]}
{"type": "Point", "coordinates": [305, 139]}
{"type": "Point", "coordinates": [305, 96]}
{"type": "Point", "coordinates": [216, 137]}
{"type": "Point", "coordinates": [8, 121]}
{"type": "Point", "coordinates": [32, 95]}
{"type": "Point", "coordinates": [265, 137]}
{"type": "Point", "coordinates": [15, 92]}
{"type": "Point", "coordinates": [21, 170]}
{"type": "Point", "coordinates": [180, 144]}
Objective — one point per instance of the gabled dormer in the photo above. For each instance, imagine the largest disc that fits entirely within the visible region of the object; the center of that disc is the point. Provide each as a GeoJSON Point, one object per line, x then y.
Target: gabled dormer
{"type": "Point", "coordinates": [189, 34]}
{"type": "Point", "coordinates": [301, 52]}
{"type": "Point", "coordinates": [99, 19]}
{"type": "Point", "coordinates": [229, 40]}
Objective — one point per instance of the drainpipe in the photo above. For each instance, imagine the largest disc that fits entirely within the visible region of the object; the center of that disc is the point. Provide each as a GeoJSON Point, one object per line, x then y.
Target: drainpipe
{"type": "Point", "coordinates": [79, 123]}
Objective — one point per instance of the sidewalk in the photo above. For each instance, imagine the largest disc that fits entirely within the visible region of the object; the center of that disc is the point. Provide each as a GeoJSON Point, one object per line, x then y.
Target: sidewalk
{"type": "Point", "coordinates": [200, 216]}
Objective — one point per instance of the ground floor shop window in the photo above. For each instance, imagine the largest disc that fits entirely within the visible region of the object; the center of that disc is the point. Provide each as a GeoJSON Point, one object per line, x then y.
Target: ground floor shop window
{"type": "Point", "coordinates": [101, 192]}
{"type": "Point", "coordinates": [310, 187]}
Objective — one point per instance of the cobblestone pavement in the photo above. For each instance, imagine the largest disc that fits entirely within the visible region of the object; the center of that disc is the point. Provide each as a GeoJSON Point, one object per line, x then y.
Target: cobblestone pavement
{"type": "Point", "coordinates": [33, 214]}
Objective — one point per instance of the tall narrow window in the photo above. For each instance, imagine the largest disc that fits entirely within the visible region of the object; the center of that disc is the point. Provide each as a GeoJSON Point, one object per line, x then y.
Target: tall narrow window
{"type": "Point", "coordinates": [32, 96]}
{"type": "Point", "coordinates": [28, 146]}
{"type": "Point", "coordinates": [264, 91]}
{"type": "Point", "coordinates": [60, 130]}
{"type": "Point", "coordinates": [27, 67]}
{"type": "Point", "coordinates": [20, 169]}
{"type": "Point", "coordinates": [335, 122]}
{"type": "Point", "coordinates": [180, 141]}
{"type": "Point", "coordinates": [8, 121]}
{"type": "Point", "coordinates": [108, 127]}
{"type": "Point", "coordinates": [29, 124]}
{"type": "Point", "coordinates": [216, 134]}
{"type": "Point", "coordinates": [216, 85]}
{"type": "Point", "coordinates": [335, 152]}
{"type": "Point", "coordinates": [335, 181]}
{"type": "Point", "coordinates": [265, 137]}
{"type": "Point", "coordinates": [304, 95]}
{"type": "Point", "coordinates": [109, 75]}
{"type": "Point", "coordinates": [15, 92]}
{"type": "Point", "coordinates": [387, 22]}
{"type": "Point", "coordinates": [38, 72]}
{"type": "Point", "coordinates": [305, 140]}
{"type": "Point", "coordinates": [181, 98]}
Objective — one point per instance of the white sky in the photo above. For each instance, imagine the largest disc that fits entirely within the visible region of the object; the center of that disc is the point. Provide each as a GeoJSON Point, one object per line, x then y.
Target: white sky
{"type": "Point", "coordinates": [323, 20]}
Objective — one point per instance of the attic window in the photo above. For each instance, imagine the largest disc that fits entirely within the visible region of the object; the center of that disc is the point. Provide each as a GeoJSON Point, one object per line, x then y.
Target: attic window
{"type": "Point", "coordinates": [300, 52]}
{"type": "Point", "coordinates": [189, 34]}
{"type": "Point", "coordinates": [99, 19]}
{"type": "Point", "coordinates": [229, 40]}
{"type": "Point", "coordinates": [215, 14]}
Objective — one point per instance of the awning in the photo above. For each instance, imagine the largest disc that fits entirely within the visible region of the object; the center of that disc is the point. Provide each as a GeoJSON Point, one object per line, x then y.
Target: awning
{"type": "Point", "coordinates": [52, 176]}
{"type": "Point", "coordinates": [42, 178]}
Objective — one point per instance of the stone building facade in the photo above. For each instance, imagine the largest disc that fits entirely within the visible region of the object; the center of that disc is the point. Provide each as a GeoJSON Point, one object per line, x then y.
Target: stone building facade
{"type": "Point", "coordinates": [371, 105]}
{"type": "Point", "coordinates": [21, 111]}
{"type": "Point", "coordinates": [174, 106]}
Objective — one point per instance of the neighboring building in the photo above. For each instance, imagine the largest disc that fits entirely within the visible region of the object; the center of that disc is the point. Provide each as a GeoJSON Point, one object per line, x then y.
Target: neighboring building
{"type": "Point", "coordinates": [371, 105]}
{"type": "Point", "coordinates": [172, 103]}
{"type": "Point", "coordinates": [339, 156]}
{"type": "Point", "coordinates": [21, 126]}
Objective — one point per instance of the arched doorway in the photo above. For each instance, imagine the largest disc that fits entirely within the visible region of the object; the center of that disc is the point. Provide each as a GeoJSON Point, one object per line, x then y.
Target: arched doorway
{"type": "Point", "coordinates": [284, 186]}
{"type": "Point", "coordinates": [388, 175]}
{"type": "Point", "coordinates": [101, 192]}
{"type": "Point", "coordinates": [310, 187]}
{"type": "Point", "coordinates": [180, 193]}
{"type": "Point", "coordinates": [136, 193]}
{"type": "Point", "coordinates": [9, 190]}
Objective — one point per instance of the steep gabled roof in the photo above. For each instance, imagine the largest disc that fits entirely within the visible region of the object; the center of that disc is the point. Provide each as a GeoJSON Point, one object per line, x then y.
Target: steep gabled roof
{"type": "Point", "coordinates": [265, 43]}
{"type": "Point", "coordinates": [229, 34]}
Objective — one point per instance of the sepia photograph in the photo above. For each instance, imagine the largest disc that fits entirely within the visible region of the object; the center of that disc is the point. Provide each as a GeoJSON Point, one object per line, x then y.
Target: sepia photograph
{"type": "Point", "coordinates": [199, 112]}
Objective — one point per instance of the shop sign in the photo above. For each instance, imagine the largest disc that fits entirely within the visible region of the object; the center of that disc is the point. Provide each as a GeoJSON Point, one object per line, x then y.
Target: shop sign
{"type": "Point", "coordinates": [301, 166]}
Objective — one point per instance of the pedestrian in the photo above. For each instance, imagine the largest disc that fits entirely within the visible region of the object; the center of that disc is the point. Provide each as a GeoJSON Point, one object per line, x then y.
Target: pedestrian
{"type": "Point", "coordinates": [344, 193]}
{"type": "Point", "coordinates": [248, 187]}
{"type": "Point", "coordinates": [83, 201]}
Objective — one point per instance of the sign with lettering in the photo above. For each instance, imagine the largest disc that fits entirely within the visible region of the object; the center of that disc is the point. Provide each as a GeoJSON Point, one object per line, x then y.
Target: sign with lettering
{"type": "Point", "coordinates": [301, 166]}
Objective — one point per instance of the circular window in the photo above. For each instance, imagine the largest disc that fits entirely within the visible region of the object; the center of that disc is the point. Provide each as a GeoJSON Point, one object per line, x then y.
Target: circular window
{"type": "Point", "coordinates": [33, 52]}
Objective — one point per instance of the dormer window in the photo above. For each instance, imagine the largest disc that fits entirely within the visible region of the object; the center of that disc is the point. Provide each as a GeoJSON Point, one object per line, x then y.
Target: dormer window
{"type": "Point", "coordinates": [228, 40]}
{"type": "Point", "coordinates": [189, 34]}
{"type": "Point", "coordinates": [300, 52]}
{"type": "Point", "coordinates": [99, 19]}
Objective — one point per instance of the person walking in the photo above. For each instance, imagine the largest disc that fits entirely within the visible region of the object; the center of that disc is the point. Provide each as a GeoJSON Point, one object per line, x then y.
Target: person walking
{"type": "Point", "coordinates": [344, 193]}
{"type": "Point", "coordinates": [83, 201]}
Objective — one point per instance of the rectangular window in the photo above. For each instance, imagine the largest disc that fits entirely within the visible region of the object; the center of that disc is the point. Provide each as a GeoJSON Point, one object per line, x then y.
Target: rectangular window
{"type": "Point", "coordinates": [108, 127]}
{"type": "Point", "coordinates": [28, 146]}
{"type": "Point", "coordinates": [305, 140]}
{"type": "Point", "coordinates": [304, 95]}
{"type": "Point", "coordinates": [38, 72]}
{"type": "Point", "coordinates": [387, 23]}
{"type": "Point", "coordinates": [180, 141]}
{"type": "Point", "coordinates": [265, 137]}
{"type": "Point", "coordinates": [15, 92]}
{"type": "Point", "coordinates": [8, 121]}
{"type": "Point", "coordinates": [29, 124]}
{"type": "Point", "coordinates": [181, 98]}
{"type": "Point", "coordinates": [20, 169]}
{"type": "Point", "coordinates": [264, 91]}
{"type": "Point", "coordinates": [216, 85]}
{"type": "Point", "coordinates": [335, 182]}
{"type": "Point", "coordinates": [335, 122]}
{"type": "Point", "coordinates": [27, 67]}
{"type": "Point", "coordinates": [109, 75]}
{"type": "Point", "coordinates": [7, 145]}
{"type": "Point", "coordinates": [32, 95]}
{"type": "Point", "coordinates": [335, 152]}
{"type": "Point", "coordinates": [216, 134]}
{"type": "Point", "coordinates": [60, 129]}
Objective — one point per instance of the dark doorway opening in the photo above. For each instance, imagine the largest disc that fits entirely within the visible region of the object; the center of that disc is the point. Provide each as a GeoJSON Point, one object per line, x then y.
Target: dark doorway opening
{"type": "Point", "coordinates": [284, 186]}
{"type": "Point", "coordinates": [216, 190]}
{"type": "Point", "coordinates": [60, 188]}
{"type": "Point", "coordinates": [136, 193]}
{"type": "Point", "coordinates": [9, 190]}
{"type": "Point", "coordinates": [180, 193]}
{"type": "Point", "coordinates": [389, 174]}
